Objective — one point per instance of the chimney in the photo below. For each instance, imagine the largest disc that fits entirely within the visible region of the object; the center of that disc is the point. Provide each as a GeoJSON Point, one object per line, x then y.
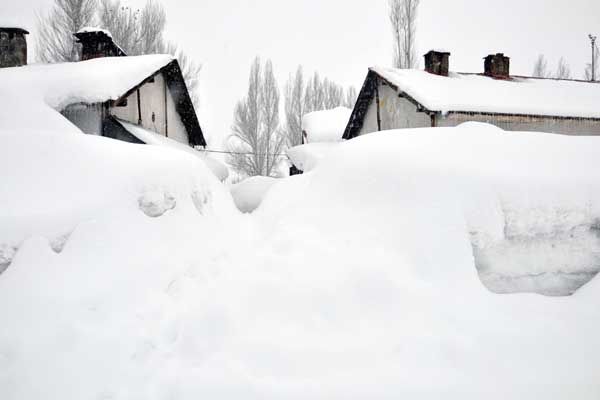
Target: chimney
{"type": "Point", "coordinates": [437, 62]}
{"type": "Point", "coordinates": [13, 47]}
{"type": "Point", "coordinates": [497, 66]}
{"type": "Point", "coordinates": [97, 43]}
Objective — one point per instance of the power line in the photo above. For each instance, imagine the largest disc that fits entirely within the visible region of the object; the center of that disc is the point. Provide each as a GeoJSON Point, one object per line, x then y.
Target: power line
{"type": "Point", "coordinates": [238, 153]}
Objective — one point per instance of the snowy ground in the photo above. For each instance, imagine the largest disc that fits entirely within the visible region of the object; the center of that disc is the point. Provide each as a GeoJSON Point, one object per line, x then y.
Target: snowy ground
{"type": "Point", "coordinates": [361, 279]}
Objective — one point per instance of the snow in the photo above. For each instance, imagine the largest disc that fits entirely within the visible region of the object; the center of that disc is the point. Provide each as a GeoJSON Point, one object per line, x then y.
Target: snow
{"type": "Point", "coordinates": [249, 193]}
{"type": "Point", "coordinates": [7, 21]}
{"type": "Point", "coordinates": [307, 156]}
{"type": "Point", "coordinates": [361, 279]}
{"type": "Point", "coordinates": [218, 168]}
{"type": "Point", "coordinates": [327, 125]}
{"type": "Point", "coordinates": [91, 81]}
{"type": "Point", "coordinates": [478, 93]}
{"type": "Point", "coordinates": [59, 181]}
{"type": "Point", "coordinates": [90, 29]}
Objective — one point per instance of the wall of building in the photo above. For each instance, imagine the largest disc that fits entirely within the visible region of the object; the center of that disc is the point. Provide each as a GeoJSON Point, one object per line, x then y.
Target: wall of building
{"type": "Point", "coordinates": [155, 99]}
{"type": "Point", "coordinates": [396, 113]}
{"type": "Point", "coordinates": [525, 123]}
{"type": "Point", "coordinates": [87, 117]}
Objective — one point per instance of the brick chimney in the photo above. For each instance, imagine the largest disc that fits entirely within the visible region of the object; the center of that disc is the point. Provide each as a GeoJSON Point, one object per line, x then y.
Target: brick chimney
{"type": "Point", "coordinates": [437, 62]}
{"type": "Point", "coordinates": [13, 47]}
{"type": "Point", "coordinates": [97, 43]}
{"type": "Point", "coordinates": [497, 66]}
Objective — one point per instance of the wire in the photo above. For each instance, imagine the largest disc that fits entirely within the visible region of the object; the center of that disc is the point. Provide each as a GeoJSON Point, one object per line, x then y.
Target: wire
{"type": "Point", "coordinates": [244, 153]}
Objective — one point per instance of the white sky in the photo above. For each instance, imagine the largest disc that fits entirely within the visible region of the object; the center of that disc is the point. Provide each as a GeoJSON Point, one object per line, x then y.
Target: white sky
{"type": "Point", "coordinates": [342, 38]}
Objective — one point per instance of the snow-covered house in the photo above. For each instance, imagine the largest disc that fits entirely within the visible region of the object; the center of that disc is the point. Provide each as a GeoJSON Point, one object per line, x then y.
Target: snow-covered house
{"type": "Point", "coordinates": [321, 130]}
{"type": "Point", "coordinates": [396, 98]}
{"type": "Point", "coordinates": [107, 90]}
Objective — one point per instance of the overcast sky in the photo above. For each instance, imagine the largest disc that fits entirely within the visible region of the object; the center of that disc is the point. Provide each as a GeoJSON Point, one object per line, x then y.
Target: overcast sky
{"type": "Point", "coordinates": [342, 38]}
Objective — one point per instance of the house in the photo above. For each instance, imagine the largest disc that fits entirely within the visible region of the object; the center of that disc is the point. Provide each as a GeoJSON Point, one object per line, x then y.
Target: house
{"type": "Point", "coordinates": [396, 99]}
{"type": "Point", "coordinates": [107, 88]}
{"type": "Point", "coordinates": [138, 99]}
{"type": "Point", "coordinates": [321, 130]}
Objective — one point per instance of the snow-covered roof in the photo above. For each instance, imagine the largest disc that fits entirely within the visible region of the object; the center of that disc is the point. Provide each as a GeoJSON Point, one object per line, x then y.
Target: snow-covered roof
{"type": "Point", "coordinates": [92, 29]}
{"type": "Point", "coordinates": [327, 125]}
{"type": "Point", "coordinates": [43, 89]}
{"type": "Point", "coordinates": [479, 93]}
{"type": "Point", "coordinates": [91, 81]}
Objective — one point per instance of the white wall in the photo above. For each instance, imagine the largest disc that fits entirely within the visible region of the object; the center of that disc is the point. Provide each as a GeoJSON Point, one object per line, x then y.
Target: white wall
{"type": "Point", "coordinates": [396, 113]}
{"type": "Point", "coordinates": [154, 98]}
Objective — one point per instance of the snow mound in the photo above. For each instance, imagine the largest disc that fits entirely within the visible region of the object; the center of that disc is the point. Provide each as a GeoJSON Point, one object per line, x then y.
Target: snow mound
{"type": "Point", "coordinates": [327, 125]}
{"type": "Point", "coordinates": [59, 181]}
{"type": "Point", "coordinates": [218, 168]}
{"type": "Point", "coordinates": [249, 193]}
{"type": "Point", "coordinates": [357, 280]}
{"type": "Point", "coordinates": [524, 202]}
{"type": "Point", "coordinates": [307, 156]}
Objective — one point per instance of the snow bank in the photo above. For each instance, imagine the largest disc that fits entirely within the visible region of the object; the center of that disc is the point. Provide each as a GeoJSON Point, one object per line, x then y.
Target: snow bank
{"type": "Point", "coordinates": [54, 182]}
{"type": "Point", "coordinates": [307, 156]}
{"type": "Point", "coordinates": [357, 280]}
{"type": "Point", "coordinates": [249, 193]}
{"type": "Point", "coordinates": [478, 93]}
{"type": "Point", "coordinates": [218, 168]}
{"type": "Point", "coordinates": [326, 126]}
{"type": "Point", "coordinates": [527, 199]}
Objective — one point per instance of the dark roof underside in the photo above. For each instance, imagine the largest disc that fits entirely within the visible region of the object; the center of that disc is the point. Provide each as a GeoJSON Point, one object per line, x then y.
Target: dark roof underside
{"type": "Point", "coordinates": [366, 95]}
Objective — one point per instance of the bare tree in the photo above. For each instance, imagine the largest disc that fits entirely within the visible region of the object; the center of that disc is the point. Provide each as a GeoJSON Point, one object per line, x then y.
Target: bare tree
{"type": "Point", "coordinates": [55, 41]}
{"type": "Point", "coordinates": [141, 31]}
{"type": "Point", "coordinates": [256, 142]}
{"type": "Point", "coordinates": [315, 95]}
{"type": "Point", "coordinates": [294, 108]}
{"type": "Point", "coordinates": [588, 67]}
{"type": "Point", "coordinates": [563, 71]}
{"type": "Point", "coordinates": [351, 97]}
{"type": "Point", "coordinates": [540, 68]}
{"type": "Point", "coordinates": [136, 31]}
{"type": "Point", "coordinates": [403, 18]}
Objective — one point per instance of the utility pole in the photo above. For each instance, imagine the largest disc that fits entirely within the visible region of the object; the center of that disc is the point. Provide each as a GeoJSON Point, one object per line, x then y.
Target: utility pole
{"type": "Point", "coordinates": [593, 39]}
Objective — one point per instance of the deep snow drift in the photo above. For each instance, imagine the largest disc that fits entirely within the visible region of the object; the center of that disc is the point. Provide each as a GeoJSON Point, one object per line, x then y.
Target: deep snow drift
{"type": "Point", "coordinates": [326, 125]}
{"type": "Point", "coordinates": [356, 280]}
{"type": "Point", "coordinates": [249, 193]}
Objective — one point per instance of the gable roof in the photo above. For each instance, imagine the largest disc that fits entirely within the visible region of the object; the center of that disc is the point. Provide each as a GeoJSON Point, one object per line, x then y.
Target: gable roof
{"type": "Point", "coordinates": [97, 81]}
{"type": "Point", "coordinates": [477, 93]}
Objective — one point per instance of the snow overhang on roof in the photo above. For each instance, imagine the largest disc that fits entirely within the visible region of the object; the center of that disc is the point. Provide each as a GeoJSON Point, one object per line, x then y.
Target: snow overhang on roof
{"type": "Point", "coordinates": [97, 81]}
{"type": "Point", "coordinates": [89, 29]}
